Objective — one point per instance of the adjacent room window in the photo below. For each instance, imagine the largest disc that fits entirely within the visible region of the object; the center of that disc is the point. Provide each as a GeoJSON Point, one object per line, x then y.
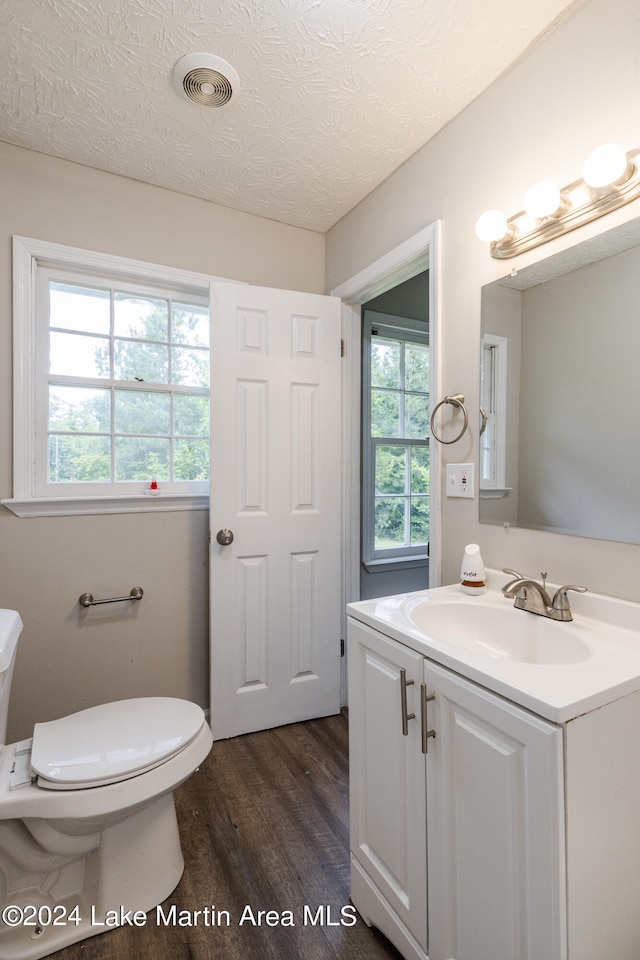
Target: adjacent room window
{"type": "Point", "coordinates": [395, 439]}
{"type": "Point", "coordinates": [112, 378]}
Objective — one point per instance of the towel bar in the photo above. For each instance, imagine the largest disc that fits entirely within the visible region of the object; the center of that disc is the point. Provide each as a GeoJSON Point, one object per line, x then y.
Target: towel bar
{"type": "Point", "coordinates": [86, 600]}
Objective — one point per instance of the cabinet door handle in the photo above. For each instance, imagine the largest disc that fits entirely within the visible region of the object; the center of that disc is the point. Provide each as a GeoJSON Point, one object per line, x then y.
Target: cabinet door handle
{"type": "Point", "coordinates": [425, 698]}
{"type": "Point", "coordinates": [404, 683]}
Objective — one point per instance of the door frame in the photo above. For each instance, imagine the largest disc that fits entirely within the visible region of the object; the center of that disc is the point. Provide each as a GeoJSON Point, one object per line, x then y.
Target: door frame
{"type": "Point", "coordinates": [405, 261]}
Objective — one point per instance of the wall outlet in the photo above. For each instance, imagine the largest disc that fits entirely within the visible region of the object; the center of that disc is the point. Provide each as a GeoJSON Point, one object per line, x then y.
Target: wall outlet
{"type": "Point", "coordinates": [460, 480]}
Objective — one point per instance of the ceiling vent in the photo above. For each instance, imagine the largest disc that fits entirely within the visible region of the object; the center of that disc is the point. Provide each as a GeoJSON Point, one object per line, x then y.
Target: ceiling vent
{"type": "Point", "coordinates": [206, 79]}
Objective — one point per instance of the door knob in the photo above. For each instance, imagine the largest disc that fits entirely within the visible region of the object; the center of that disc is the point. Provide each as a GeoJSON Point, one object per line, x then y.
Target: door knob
{"type": "Point", "coordinates": [224, 537]}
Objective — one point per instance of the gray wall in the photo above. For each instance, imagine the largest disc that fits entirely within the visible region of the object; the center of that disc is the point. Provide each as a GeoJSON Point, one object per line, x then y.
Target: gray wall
{"type": "Point", "coordinates": [69, 659]}
{"type": "Point", "coordinates": [577, 88]}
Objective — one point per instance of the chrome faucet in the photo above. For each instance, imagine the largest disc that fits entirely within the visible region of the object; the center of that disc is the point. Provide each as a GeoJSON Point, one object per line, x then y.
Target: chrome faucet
{"type": "Point", "coordinates": [533, 597]}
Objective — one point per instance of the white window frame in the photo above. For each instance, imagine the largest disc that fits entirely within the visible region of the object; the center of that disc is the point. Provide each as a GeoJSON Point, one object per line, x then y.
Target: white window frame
{"type": "Point", "coordinates": [407, 330]}
{"type": "Point", "coordinates": [28, 255]}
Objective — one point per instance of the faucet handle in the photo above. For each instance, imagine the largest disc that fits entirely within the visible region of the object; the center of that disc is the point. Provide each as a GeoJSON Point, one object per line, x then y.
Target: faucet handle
{"type": "Point", "coordinates": [514, 587]}
{"type": "Point", "coordinates": [560, 600]}
{"type": "Point", "coordinates": [571, 586]}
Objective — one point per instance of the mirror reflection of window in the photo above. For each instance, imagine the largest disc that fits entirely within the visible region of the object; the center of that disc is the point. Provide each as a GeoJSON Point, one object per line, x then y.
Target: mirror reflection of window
{"type": "Point", "coordinates": [493, 402]}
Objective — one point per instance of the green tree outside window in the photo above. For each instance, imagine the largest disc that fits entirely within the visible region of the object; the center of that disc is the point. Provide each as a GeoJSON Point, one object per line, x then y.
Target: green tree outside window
{"type": "Point", "coordinates": [143, 409]}
{"type": "Point", "coordinates": [396, 393]}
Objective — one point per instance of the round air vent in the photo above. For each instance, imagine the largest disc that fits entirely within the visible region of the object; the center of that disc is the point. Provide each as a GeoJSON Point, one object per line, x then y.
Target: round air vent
{"type": "Point", "coordinates": [206, 79]}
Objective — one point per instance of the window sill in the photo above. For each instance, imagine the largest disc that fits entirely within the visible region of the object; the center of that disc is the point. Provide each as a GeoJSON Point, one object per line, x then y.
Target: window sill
{"type": "Point", "coordinates": [396, 563]}
{"type": "Point", "coordinates": [87, 506]}
{"type": "Point", "coordinates": [494, 493]}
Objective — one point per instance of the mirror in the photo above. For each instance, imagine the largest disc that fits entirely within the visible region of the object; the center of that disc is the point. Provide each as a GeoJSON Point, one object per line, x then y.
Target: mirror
{"type": "Point", "coordinates": [560, 389]}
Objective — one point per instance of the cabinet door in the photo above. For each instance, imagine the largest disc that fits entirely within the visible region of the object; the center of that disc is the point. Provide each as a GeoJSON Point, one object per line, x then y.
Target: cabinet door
{"type": "Point", "coordinates": [496, 858]}
{"type": "Point", "coordinates": [387, 777]}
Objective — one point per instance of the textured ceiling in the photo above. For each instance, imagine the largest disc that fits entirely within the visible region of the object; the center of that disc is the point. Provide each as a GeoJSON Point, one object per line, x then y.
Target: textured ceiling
{"type": "Point", "coordinates": [336, 94]}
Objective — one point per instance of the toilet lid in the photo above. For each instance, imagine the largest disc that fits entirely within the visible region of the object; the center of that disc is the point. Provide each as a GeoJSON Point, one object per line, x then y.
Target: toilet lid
{"type": "Point", "coordinates": [112, 742]}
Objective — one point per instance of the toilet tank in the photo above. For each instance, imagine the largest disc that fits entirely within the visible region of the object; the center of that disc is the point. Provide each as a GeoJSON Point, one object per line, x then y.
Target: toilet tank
{"type": "Point", "coordinates": [10, 630]}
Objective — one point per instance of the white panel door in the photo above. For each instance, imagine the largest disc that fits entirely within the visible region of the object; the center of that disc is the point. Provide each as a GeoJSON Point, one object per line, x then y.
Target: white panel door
{"type": "Point", "coordinates": [275, 483]}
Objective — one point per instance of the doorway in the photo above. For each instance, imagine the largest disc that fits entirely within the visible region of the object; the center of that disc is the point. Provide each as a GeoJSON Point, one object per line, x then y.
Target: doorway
{"type": "Point", "coordinates": [395, 440]}
{"type": "Point", "coordinates": [414, 256]}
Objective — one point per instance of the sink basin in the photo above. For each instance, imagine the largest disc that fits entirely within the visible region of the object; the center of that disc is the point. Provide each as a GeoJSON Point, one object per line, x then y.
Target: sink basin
{"type": "Point", "coordinates": [497, 631]}
{"type": "Point", "coordinates": [557, 670]}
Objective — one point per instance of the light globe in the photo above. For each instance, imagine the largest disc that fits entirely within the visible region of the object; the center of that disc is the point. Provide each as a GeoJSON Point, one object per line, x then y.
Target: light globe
{"type": "Point", "coordinates": [492, 226]}
{"type": "Point", "coordinates": [543, 199]}
{"type": "Point", "coordinates": [604, 165]}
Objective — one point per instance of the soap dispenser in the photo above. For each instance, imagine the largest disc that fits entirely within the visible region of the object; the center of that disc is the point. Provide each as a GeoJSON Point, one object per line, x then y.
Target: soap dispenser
{"type": "Point", "coordinates": [472, 573]}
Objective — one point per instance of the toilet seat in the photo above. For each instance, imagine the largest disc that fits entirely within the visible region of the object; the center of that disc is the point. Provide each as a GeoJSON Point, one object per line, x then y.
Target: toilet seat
{"type": "Point", "coordinates": [112, 742]}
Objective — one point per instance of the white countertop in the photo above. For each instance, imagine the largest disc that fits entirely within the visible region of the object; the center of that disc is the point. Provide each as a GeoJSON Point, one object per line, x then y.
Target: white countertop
{"type": "Point", "coordinates": [605, 630]}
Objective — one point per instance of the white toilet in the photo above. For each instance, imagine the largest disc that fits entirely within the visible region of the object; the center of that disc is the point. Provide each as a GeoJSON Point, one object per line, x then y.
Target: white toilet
{"type": "Point", "coordinates": [88, 829]}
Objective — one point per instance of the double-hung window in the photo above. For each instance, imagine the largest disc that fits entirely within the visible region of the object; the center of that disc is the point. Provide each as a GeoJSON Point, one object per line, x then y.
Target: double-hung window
{"type": "Point", "coordinates": [395, 439]}
{"type": "Point", "coordinates": [112, 382]}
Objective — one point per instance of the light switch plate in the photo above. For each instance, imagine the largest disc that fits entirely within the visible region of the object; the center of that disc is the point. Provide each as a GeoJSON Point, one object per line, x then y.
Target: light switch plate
{"type": "Point", "coordinates": [460, 480]}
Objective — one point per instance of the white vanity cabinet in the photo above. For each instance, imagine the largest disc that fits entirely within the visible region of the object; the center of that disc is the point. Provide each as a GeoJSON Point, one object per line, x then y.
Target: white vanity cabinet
{"type": "Point", "coordinates": [458, 852]}
{"type": "Point", "coordinates": [388, 801]}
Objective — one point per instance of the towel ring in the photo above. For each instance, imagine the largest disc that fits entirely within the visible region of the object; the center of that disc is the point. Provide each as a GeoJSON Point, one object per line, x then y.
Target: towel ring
{"type": "Point", "coordinates": [457, 400]}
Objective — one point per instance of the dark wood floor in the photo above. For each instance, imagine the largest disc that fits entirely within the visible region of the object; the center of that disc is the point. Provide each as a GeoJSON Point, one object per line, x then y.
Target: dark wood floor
{"type": "Point", "coordinates": [264, 826]}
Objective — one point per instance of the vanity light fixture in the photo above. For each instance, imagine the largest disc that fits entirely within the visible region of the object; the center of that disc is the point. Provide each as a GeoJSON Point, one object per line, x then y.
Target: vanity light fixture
{"type": "Point", "coordinates": [610, 179]}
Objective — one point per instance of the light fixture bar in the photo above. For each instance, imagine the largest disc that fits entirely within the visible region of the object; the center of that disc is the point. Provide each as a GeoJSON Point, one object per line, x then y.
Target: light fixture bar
{"type": "Point", "coordinates": [581, 204]}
